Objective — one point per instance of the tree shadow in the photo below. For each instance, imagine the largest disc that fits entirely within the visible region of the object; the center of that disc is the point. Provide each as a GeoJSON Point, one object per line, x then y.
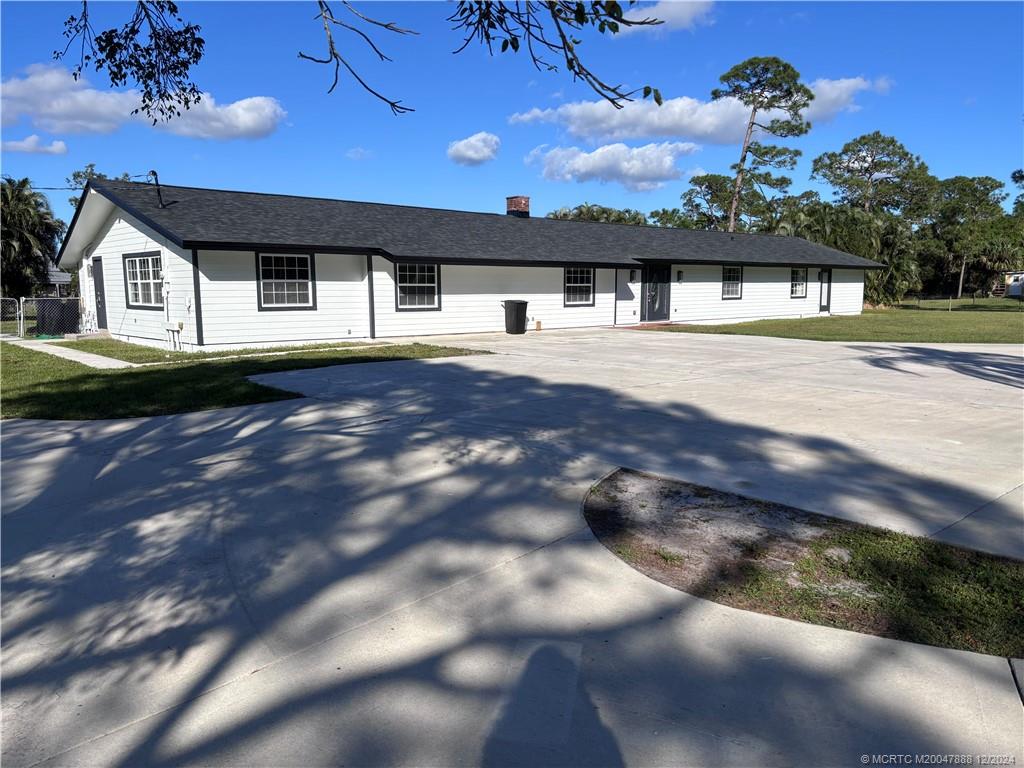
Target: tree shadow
{"type": "Point", "coordinates": [152, 567]}
{"type": "Point", "coordinates": [996, 368]}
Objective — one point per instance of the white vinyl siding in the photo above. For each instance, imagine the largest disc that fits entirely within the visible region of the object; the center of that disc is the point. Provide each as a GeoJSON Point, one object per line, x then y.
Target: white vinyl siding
{"type": "Point", "coordinates": [231, 314]}
{"type": "Point", "coordinates": [766, 294]}
{"type": "Point", "coordinates": [847, 291]}
{"type": "Point", "coordinates": [472, 296]}
{"type": "Point", "coordinates": [122, 235]}
{"type": "Point", "coordinates": [627, 297]}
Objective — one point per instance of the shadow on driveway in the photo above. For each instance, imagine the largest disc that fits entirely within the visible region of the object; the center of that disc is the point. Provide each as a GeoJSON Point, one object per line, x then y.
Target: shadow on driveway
{"type": "Point", "coordinates": [147, 562]}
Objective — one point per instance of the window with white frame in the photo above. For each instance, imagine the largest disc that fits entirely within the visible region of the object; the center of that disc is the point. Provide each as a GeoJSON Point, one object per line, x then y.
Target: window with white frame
{"type": "Point", "coordinates": [286, 281]}
{"type": "Point", "coordinates": [798, 283]}
{"type": "Point", "coordinates": [732, 282]}
{"type": "Point", "coordinates": [579, 286]}
{"type": "Point", "coordinates": [144, 281]}
{"type": "Point", "coordinates": [417, 286]}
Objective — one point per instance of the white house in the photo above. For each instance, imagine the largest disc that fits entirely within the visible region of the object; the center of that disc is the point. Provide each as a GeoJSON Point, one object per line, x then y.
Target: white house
{"type": "Point", "coordinates": [204, 268]}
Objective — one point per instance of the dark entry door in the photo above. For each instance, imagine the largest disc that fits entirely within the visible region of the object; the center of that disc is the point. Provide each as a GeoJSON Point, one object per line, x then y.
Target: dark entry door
{"type": "Point", "coordinates": [656, 292]}
{"type": "Point", "coordinates": [826, 290]}
{"type": "Point", "coordinates": [101, 294]}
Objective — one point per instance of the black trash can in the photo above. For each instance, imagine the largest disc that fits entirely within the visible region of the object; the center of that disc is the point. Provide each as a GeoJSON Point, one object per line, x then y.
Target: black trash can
{"type": "Point", "coordinates": [515, 316]}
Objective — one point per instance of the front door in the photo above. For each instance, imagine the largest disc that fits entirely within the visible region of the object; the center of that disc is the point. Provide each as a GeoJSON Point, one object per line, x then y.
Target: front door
{"type": "Point", "coordinates": [656, 292]}
{"type": "Point", "coordinates": [826, 290]}
{"type": "Point", "coordinates": [101, 296]}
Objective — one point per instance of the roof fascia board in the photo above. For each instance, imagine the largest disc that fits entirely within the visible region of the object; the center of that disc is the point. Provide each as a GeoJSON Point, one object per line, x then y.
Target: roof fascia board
{"type": "Point", "coordinates": [133, 212]}
{"type": "Point", "coordinates": [74, 219]}
{"type": "Point", "coordinates": [742, 263]}
{"type": "Point", "coordinates": [214, 245]}
{"type": "Point", "coordinates": [347, 250]}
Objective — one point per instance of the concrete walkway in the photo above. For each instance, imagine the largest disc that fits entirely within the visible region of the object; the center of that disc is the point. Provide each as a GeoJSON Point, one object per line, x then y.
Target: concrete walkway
{"type": "Point", "coordinates": [397, 573]}
{"type": "Point", "coordinates": [77, 355]}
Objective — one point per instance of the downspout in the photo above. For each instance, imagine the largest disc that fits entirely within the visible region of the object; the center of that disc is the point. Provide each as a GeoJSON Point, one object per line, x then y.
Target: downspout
{"type": "Point", "coordinates": [615, 300]}
{"type": "Point", "coordinates": [369, 288]}
{"type": "Point", "coordinates": [197, 301]}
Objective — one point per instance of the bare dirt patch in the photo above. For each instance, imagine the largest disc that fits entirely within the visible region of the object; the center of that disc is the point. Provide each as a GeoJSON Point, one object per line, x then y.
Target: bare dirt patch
{"type": "Point", "coordinates": [783, 561]}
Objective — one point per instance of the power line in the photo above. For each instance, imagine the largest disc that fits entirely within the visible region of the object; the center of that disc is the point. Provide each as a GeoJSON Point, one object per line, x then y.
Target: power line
{"type": "Point", "coordinates": [79, 189]}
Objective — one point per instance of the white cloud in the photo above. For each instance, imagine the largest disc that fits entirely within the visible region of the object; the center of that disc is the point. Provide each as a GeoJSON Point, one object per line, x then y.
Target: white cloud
{"type": "Point", "coordinates": [54, 101]}
{"type": "Point", "coordinates": [636, 168]}
{"type": "Point", "coordinates": [831, 97]}
{"type": "Point", "coordinates": [359, 153]}
{"type": "Point", "coordinates": [674, 14]}
{"type": "Point", "coordinates": [34, 145]}
{"type": "Point", "coordinates": [251, 118]}
{"type": "Point", "coordinates": [51, 98]}
{"type": "Point", "coordinates": [717, 122]}
{"type": "Point", "coordinates": [475, 149]}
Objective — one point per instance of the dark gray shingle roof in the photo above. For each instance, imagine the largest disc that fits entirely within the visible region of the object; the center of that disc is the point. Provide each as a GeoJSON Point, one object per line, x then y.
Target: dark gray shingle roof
{"type": "Point", "coordinates": [56, 276]}
{"type": "Point", "coordinates": [194, 217]}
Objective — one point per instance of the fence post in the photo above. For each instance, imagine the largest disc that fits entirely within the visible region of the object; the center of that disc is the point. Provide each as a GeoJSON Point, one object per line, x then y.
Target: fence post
{"type": "Point", "coordinates": [950, 309]}
{"type": "Point", "coordinates": [21, 318]}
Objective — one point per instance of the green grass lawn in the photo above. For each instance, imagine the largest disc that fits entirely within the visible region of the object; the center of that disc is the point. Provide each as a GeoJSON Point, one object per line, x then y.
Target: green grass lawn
{"type": "Point", "coordinates": [880, 325]}
{"type": "Point", "coordinates": [137, 353]}
{"type": "Point", "coordinates": [917, 589]}
{"type": "Point", "coordinates": [35, 385]}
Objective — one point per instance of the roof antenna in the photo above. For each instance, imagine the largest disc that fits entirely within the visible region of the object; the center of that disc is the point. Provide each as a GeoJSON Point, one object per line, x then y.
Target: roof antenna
{"type": "Point", "coordinates": [159, 194]}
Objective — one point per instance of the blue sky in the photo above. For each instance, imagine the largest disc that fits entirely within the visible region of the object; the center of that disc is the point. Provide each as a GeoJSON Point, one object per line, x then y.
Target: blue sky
{"type": "Point", "coordinates": [944, 78]}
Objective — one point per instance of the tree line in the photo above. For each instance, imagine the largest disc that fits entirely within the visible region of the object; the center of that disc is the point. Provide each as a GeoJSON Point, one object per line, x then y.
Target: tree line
{"type": "Point", "coordinates": [936, 236]}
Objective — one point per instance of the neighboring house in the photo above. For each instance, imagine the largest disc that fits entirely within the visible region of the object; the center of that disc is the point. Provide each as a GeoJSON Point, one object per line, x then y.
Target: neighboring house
{"type": "Point", "coordinates": [57, 285]}
{"type": "Point", "coordinates": [213, 268]}
{"type": "Point", "coordinates": [1009, 284]}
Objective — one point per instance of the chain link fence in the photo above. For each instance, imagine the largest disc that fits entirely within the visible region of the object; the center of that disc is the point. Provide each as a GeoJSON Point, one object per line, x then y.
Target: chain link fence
{"type": "Point", "coordinates": [976, 302]}
{"type": "Point", "coordinates": [51, 318]}
{"type": "Point", "coordinates": [10, 317]}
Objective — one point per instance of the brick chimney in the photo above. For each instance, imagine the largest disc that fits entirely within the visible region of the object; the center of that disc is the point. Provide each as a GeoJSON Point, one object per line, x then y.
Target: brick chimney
{"type": "Point", "coordinates": [518, 205]}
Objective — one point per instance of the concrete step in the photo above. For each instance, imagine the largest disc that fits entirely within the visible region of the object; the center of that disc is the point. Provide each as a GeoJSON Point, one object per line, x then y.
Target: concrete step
{"type": "Point", "coordinates": [103, 334]}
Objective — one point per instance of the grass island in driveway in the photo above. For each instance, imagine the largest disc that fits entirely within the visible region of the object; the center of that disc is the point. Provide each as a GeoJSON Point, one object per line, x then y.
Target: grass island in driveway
{"type": "Point", "coordinates": [140, 353]}
{"type": "Point", "coordinates": [774, 559]}
{"type": "Point", "coordinates": [889, 325]}
{"type": "Point", "coordinates": [40, 386]}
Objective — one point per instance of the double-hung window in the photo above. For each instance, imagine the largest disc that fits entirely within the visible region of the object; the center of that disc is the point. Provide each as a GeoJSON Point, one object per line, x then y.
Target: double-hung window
{"type": "Point", "coordinates": [579, 286]}
{"type": "Point", "coordinates": [144, 280]}
{"type": "Point", "coordinates": [417, 287]}
{"type": "Point", "coordinates": [732, 282]}
{"type": "Point", "coordinates": [286, 281]}
{"type": "Point", "coordinates": [798, 283]}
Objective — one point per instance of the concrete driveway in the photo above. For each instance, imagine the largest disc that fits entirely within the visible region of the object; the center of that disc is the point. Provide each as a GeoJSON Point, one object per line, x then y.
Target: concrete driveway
{"type": "Point", "coordinates": [395, 572]}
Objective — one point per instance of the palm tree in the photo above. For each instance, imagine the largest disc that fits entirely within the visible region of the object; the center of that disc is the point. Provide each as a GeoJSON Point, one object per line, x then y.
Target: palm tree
{"type": "Point", "coordinates": [874, 235]}
{"type": "Point", "coordinates": [29, 237]}
{"type": "Point", "coordinates": [592, 212]}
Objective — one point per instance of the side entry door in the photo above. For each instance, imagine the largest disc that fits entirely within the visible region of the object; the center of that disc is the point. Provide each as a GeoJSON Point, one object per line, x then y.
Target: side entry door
{"type": "Point", "coordinates": [826, 290]}
{"type": "Point", "coordinates": [101, 294]}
